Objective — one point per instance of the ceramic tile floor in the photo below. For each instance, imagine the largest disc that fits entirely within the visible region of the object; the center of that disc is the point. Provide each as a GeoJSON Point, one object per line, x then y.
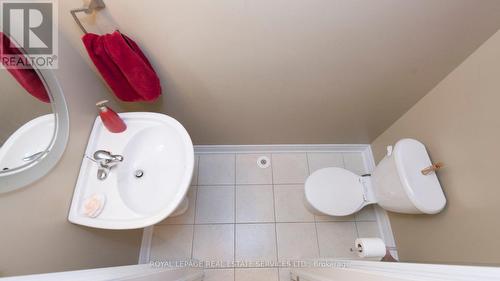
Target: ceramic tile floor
{"type": "Point", "coordinates": [241, 212]}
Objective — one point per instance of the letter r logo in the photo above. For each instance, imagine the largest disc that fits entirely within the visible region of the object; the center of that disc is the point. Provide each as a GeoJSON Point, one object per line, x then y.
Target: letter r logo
{"type": "Point", "coordinates": [30, 24]}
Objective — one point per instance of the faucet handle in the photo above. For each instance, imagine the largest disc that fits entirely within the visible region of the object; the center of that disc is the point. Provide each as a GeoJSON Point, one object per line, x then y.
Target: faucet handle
{"type": "Point", "coordinates": [106, 161]}
{"type": "Point", "coordinates": [104, 155]}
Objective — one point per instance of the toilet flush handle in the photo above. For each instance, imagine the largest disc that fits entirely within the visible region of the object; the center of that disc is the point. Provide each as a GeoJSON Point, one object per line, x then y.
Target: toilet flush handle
{"type": "Point", "coordinates": [432, 168]}
{"type": "Point", "coordinates": [389, 150]}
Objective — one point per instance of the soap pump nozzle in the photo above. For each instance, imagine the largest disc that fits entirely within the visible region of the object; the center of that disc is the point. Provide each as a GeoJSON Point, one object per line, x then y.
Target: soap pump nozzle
{"type": "Point", "coordinates": [102, 105]}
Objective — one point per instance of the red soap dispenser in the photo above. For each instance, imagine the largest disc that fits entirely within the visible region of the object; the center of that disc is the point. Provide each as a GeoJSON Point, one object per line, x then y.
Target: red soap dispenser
{"type": "Point", "coordinates": [112, 121]}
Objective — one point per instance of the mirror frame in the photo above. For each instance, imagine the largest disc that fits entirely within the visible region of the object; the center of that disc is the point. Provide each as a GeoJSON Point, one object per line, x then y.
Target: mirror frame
{"type": "Point", "coordinates": [40, 167]}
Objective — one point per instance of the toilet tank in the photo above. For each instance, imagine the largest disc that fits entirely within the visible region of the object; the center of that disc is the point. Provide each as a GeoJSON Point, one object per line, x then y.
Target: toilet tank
{"type": "Point", "coordinates": [399, 185]}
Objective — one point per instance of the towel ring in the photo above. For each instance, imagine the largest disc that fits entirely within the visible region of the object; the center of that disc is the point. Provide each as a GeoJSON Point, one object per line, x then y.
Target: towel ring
{"type": "Point", "coordinates": [94, 5]}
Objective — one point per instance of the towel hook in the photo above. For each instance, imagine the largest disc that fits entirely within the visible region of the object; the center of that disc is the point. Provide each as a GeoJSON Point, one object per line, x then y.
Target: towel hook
{"type": "Point", "coordinates": [94, 5]}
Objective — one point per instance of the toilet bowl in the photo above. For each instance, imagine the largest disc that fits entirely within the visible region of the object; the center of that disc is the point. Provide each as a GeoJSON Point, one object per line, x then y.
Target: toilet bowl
{"type": "Point", "coordinates": [397, 184]}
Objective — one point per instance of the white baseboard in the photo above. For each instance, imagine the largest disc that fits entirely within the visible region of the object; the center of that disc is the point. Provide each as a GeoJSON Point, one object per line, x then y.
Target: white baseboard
{"type": "Point", "coordinates": [280, 148]}
{"type": "Point", "coordinates": [147, 237]}
{"type": "Point", "coordinates": [386, 230]}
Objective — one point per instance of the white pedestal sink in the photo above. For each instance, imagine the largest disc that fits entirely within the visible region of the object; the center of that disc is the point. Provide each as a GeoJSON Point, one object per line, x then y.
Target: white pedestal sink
{"type": "Point", "coordinates": [150, 183]}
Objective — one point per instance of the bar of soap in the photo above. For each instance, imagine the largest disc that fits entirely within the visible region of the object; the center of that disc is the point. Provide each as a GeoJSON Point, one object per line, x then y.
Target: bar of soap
{"type": "Point", "coordinates": [93, 205]}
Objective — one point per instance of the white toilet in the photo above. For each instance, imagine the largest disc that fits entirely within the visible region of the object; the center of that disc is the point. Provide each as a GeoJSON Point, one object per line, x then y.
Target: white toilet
{"type": "Point", "coordinates": [397, 184]}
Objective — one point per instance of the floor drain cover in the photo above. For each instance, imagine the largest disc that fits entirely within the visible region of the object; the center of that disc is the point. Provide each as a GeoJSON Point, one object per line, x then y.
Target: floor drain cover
{"type": "Point", "coordinates": [139, 173]}
{"type": "Point", "coordinates": [264, 162]}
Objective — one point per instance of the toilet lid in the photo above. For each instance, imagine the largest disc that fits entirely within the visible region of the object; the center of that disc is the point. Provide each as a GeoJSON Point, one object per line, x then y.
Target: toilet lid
{"type": "Point", "coordinates": [335, 191]}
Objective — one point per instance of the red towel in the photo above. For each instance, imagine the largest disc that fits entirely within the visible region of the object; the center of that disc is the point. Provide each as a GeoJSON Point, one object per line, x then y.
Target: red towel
{"type": "Point", "coordinates": [26, 76]}
{"type": "Point", "coordinates": [123, 66]}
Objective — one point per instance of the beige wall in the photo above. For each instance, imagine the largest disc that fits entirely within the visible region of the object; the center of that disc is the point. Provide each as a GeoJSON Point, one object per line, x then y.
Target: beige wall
{"type": "Point", "coordinates": [35, 235]}
{"type": "Point", "coordinates": [298, 71]}
{"type": "Point", "coordinates": [459, 122]}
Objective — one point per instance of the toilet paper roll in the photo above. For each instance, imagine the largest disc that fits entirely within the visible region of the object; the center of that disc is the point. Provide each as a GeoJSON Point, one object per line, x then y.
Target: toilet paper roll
{"type": "Point", "coordinates": [370, 247]}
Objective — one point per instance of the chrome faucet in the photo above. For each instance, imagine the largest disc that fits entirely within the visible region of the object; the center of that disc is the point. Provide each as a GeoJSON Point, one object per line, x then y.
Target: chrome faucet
{"type": "Point", "coordinates": [106, 161]}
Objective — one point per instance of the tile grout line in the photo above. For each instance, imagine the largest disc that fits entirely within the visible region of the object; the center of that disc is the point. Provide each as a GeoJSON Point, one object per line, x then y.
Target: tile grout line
{"type": "Point", "coordinates": [355, 215]}
{"type": "Point", "coordinates": [343, 160]}
{"type": "Point", "coordinates": [194, 220]}
{"type": "Point", "coordinates": [274, 213]}
{"type": "Point", "coordinates": [227, 185]}
{"type": "Point", "coordinates": [253, 223]}
{"type": "Point", "coordinates": [195, 203]}
{"type": "Point", "coordinates": [234, 220]}
{"type": "Point", "coordinates": [315, 223]}
{"type": "Point", "coordinates": [309, 171]}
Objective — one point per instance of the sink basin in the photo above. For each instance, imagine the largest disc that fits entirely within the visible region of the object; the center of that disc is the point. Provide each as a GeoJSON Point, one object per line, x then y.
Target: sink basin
{"type": "Point", "coordinates": [19, 150]}
{"type": "Point", "coordinates": [150, 183]}
{"type": "Point", "coordinates": [162, 168]}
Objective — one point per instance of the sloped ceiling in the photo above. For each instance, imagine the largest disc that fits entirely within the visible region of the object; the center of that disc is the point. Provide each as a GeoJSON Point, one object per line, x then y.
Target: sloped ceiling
{"type": "Point", "coordinates": [297, 71]}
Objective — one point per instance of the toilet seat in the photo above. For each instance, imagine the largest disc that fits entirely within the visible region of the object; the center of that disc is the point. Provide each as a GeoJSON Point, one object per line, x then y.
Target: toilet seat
{"type": "Point", "coordinates": [335, 191]}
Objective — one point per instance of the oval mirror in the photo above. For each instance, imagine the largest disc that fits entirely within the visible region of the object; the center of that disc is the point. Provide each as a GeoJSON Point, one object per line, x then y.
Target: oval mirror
{"type": "Point", "coordinates": [35, 124]}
